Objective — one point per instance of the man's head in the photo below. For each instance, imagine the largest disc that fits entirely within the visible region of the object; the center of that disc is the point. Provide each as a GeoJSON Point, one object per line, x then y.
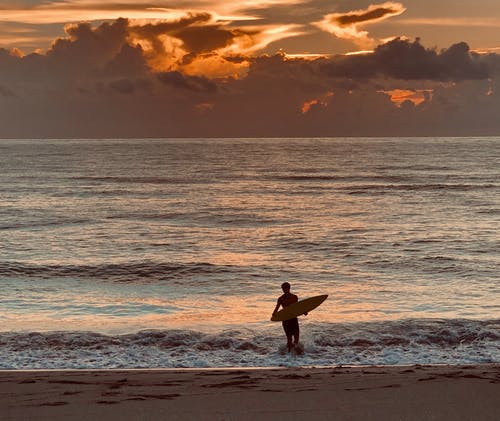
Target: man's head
{"type": "Point", "coordinates": [285, 286]}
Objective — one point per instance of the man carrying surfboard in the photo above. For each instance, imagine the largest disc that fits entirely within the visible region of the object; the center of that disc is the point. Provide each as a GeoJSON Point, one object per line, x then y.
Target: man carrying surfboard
{"type": "Point", "coordinates": [292, 308]}
{"type": "Point", "coordinates": [290, 326]}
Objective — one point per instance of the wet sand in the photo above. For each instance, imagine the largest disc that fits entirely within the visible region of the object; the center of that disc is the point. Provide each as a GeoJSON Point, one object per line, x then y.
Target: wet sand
{"type": "Point", "coordinates": [340, 393]}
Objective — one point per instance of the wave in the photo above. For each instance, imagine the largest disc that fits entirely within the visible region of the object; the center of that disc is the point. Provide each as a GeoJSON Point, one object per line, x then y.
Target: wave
{"type": "Point", "coordinates": [114, 272]}
{"type": "Point", "coordinates": [431, 341]}
{"type": "Point", "coordinates": [343, 178]}
{"type": "Point", "coordinates": [384, 188]}
{"type": "Point", "coordinates": [225, 216]}
{"type": "Point", "coordinates": [143, 180]}
{"type": "Point", "coordinates": [427, 332]}
{"type": "Point", "coordinates": [44, 224]}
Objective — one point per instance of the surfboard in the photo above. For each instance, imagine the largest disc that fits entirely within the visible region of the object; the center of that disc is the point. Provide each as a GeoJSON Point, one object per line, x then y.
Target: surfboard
{"type": "Point", "coordinates": [298, 308]}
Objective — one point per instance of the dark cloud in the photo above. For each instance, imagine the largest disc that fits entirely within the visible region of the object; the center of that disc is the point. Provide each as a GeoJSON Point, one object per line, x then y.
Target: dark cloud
{"type": "Point", "coordinates": [153, 30]}
{"type": "Point", "coordinates": [195, 31]}
{"type": "Point", "coordinates": [191, 83]}
{"type": "Point", "coordinates": [87, 53]}
{"type": "Point", "coordinates": [372, 14]}
{"type": "Point", "coordinates": [129, 86]}
{"type": "Point", "coordinates": [236, 59]}
{"type": "Point", "coordinates": [6, 92]}
{"type": "Point", "coordinates": [97, 83]}
{"type": "Point", "coordinates": [124, 86]}
{"type": "Point", "coordinates": [129, 61]}
{"type": "Point", "coordinates": [8, 63]}
{"type": "Point", "coordinates": [89, 47]}
{"type": "Point", "coordinates": [349, 25]}
{"type": "Point", "coordinates": [199, 39]}
{"type": "Point", "coordinates": [402, 59]}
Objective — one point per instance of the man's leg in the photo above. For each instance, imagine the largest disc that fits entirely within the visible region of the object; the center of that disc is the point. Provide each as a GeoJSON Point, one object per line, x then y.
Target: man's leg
{"type": "Point", "coordinates": [289, 342]}
{"type": "Point", "coordinates": [296, 332]}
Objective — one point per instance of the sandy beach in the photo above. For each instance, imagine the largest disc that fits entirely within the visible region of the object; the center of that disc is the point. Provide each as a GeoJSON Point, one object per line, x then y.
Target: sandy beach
{"type": "Point", "coordinates": [340, 393]}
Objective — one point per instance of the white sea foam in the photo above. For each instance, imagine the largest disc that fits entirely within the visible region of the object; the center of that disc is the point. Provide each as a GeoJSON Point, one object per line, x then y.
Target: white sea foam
{"type": "Point", "coordinates": [384, 343]}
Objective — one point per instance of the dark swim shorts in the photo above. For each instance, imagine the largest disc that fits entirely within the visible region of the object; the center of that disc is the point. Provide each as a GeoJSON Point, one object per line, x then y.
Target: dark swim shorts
{"type": "Point", "coordinates": [291, 327]}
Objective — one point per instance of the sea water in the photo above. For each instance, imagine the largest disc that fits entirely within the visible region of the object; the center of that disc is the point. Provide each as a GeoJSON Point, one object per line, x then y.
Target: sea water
{"type": "Point", "coordinates": [171, 252]}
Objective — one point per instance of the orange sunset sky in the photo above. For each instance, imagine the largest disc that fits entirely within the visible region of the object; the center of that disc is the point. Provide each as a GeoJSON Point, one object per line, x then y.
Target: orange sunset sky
{"type": "Point", "coordinates": [159, 68]}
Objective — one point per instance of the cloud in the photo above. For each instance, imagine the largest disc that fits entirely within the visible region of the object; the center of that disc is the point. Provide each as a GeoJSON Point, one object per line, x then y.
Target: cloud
{"type": "Point", "coordinates": [6, 92]}
{"type": "Point", "coordinates": [323, 100]}
{"type": "Point", "coordinates": [200, 44]}
{"type": "Point", "coordinates": [65, 11]}
{"type": "Point", "coordinates": [402, 59]}
{"type": "Point", "coordinates": [374, 13]}
{"type": "Point", "coordinates": [348, 25]}
{"type": "Point", "coordinates": [179, 28]}
{"type": "Point", "coordinates": [405, 96]}
{"type": "Point", "coordinates": [129, 86]}
{"type": "Point", "coordinates": [99, 81]}
{"type": "Point", "coordinates": [88, 47]}
{"type": "Point", "coordinates": [129, 61]}
{"type": "Point", "coordinates": [191, 83]}
{"type": "Point", "coordinates": [140, 12]}
{"type": "Point", "coordinates": [488, 22]}
{"type": "Point", "coordinates": [195, 43]}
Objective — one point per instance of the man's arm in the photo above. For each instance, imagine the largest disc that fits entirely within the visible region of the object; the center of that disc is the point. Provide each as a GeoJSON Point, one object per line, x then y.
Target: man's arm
{"type": "Point", "coordinates": [277, 307]}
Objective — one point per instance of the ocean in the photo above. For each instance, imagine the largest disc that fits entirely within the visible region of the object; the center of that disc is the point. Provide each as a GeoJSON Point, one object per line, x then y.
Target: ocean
{"type": "Point", "coordinates": [170, 253]}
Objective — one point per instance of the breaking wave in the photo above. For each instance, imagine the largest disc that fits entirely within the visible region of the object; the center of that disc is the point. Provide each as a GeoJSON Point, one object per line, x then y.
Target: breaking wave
{"type": "Point", "coordinates": [426, 341]}
{"type": "Point", "coordinates": [114, 272]}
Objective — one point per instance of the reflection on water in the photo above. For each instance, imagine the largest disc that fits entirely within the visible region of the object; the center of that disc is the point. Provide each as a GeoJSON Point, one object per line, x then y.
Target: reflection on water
{"type": "Point", "coordinates": [122, 235]}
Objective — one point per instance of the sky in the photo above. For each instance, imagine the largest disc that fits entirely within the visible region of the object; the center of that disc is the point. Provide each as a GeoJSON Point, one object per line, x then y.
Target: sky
{"type": "Point", "coordinates": [208, 68]}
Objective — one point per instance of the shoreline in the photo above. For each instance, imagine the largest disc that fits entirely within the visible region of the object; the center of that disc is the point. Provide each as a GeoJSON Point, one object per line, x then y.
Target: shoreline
{"type": "Point", "coordinates": [406, 392]}
{"type": "Point", "coordinates": [250, 368]}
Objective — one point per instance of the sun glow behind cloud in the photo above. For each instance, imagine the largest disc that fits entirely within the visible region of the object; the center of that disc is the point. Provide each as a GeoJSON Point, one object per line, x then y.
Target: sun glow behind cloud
{"type": "Point", "coordinates": [200, 44]}
{"type": "Point", "coordinates": [416, 97]}
{"type": "Point", "coordinates": [323, 101]}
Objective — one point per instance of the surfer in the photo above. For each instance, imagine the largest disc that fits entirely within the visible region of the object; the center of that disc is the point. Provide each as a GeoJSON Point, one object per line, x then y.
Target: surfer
{"type": "Point", "coordinates": [290, 326]}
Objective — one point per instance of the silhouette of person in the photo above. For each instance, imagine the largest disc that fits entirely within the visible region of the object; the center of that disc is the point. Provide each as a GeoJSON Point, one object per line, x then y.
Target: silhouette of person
{"type": "Point", "coordinates": [290, 326]}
